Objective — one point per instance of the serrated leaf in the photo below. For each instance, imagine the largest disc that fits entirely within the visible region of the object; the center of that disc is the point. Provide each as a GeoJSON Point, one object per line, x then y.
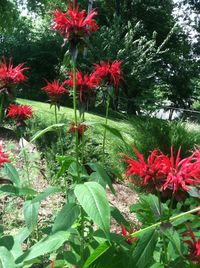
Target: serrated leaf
{"type": "Point", "coordinates": [92, 197]}
{"type": "Point", "coordinates": [66, 217]}
{"type": "Point", "coordinates": [31, 214]}
{"type": "Point", "coordinates": [102, 173]}
{"type": "Point", "coordinates": [42, 132]}
{"type": "Point", "coordinates": [11, 172]}
{"type": "Point", "coordinates": [45, 194]}
{"type": "Point", "coordinates": [114, 131]}
{"type": "Point", "coordinates": [44, 246]}
{"type": "Point", "coordinates": [100, 250]}
{"type": "Point", "coordinates": [6, 258]}
{"type": "Point", "coordinates": [143, 252]}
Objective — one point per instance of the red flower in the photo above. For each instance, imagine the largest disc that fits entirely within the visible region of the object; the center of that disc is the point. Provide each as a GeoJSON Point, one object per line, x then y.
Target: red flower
{"type": "Point", "coordinates": [193, 246]}
{"type": "Point", "coordinates": [125, 233]}
{"type": "Point", "coordinates": [3, 157]}
{"type": "Point", "coordinates": [81, 128]}
{"type": "Point", "coordinates": [85, 84]}
{"type": "Point", "coordinates": [164, 174]}
{"type": "Point", "coordinates": [55, 90]}
{"type": "Point", "coordinates": [20, 113]}
{"type": "Point", "coordinates": [110, 74]}
{"type": "Point", "coordinates": [10, 75]}
{"type": "Point", "coordinates": [74, 25]}
{"type": "Point", "coordinates": [183, 173]}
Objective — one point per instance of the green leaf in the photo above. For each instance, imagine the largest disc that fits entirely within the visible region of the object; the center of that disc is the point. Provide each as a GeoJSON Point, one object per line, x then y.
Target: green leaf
{"type": "Point", "coordinates": [66, 217]}
{"type": "Point", "coordinates": [100, 250]}
{"type": "Point", "coordinates": [44, 246]}
{"type": "Point", "coordinates": [143, 252]}
{"type": "Point", "coordinates": [45, 194]}
{"type": "Point", "coordinates": [6, 258]}
{"type": "Point", "coordinates": [31, 214]}
{"type": "Point", "coordinates": [102, 174]}
{"type": "Point", "coordinates": [173, 236]}
{"type": "Point", "coordinates": [65, 162]}
{"type": "Point", "coordinates": [11, 173]}
{"type": "Point", "coordinates": [117, 215]}
{"type": "Point", "coordinates": [7, 241]}
{"type": "Point", "coordinates": [92, 197]}
{"type": "Point", "coordinates": [42, 132]}
{"type": "Point", "coordinates": [9, 189]}
{"type": "Point", "coordinates": [114, 131]}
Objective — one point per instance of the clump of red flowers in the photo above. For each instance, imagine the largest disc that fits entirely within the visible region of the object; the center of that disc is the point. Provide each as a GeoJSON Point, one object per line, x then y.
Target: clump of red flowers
{"type": "Point", "coordinates": [74, 25]}
{"type": "Point", "coordinates": [10, 75]}
{"type": "Point", "coordinates": [126, 234]}
{"type": "Point", "coordinates": [55, 90]}
{"type": "Point", "coordinates": [161, 173]}
{"type": "Point", "coordinates": [109, 73]}
{"type": "Point", "coordinates": [20, 113]}
{"type": "Point", "coordinates": [193, 246]}
{"type": "Point", "coordinates": [82, 128]}
{"type": "Point", "coordinates": [3, 157]}
{"type": "Point", "coordinates": [85, 84]}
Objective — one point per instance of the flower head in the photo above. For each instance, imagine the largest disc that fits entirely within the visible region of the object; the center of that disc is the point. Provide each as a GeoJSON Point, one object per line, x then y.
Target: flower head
{"type": "Point", "coordinates": [10, 75]}
{"type": "Point", "coordinates": [82, 128]}
{"type": "Point", "coordinates": [109, 73]}
{"type": "Point", "coordinates": [74, 25]}
{"type": "Point", "coordinates": [20, 113]}
{"type": "Point", "coordinates": [169, 175]}
{"type": "Point", "coordinates": [55, 90]}
{"type": "Point", "coordinates": [193, 246]}
{"type": "Point", "coordinates": [85, 84]}
{"type": "Point", "coordinates": [3, 157]}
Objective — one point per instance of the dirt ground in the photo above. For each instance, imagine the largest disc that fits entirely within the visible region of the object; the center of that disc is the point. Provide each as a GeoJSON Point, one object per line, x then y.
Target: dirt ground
{"type": "Point", "coordinates": [11, 213]}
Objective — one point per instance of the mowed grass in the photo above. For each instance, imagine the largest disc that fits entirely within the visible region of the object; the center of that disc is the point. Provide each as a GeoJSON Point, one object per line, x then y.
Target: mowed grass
{"type": "Point", "coordinates": [65, 115]}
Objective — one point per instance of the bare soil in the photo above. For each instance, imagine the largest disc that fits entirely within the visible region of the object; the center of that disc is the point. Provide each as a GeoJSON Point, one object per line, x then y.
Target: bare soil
{"type": "Point", "coordinates": [11, 208]}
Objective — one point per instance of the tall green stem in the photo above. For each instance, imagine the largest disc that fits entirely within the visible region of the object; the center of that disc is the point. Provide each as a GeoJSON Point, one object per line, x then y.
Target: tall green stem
{"type": "Point", "coordinates": [1, 107]}
{"type": "Point", "coordinates": [106, 122]}
{"type": "Point", "coordinates": [172, 219]}
{"type": "Point", "coordinates": [75, 117]}
{"type": "Point", "coordinates": [83, 140]}
{"type": "Point", "coordinates": [56, 115]}
{"type": "Point", "coordinates": [25, 159]}
{"type": "Point", "coordinates": [60, 135]}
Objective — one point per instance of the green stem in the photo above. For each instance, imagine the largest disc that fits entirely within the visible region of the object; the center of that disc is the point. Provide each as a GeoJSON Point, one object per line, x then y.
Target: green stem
{"type": "Point", "coordinates": [1, 107]}
{"type": "Point", "coordinates": [106, 122]}
{"type": "Point", "coordinates": [83, 140]}
{"type": "Point", "coordinates": [56, 115]}
{"type": "Point", "coordinates": [60, 135]}
{"type": "Point", "coordinates": [75, 118]}
{"type": "Point", "coordinates": [172, 219]}
{"type": "Point", "coordinates": [25, 159]}
{"type": "Point", "coordinates": [82, 238]}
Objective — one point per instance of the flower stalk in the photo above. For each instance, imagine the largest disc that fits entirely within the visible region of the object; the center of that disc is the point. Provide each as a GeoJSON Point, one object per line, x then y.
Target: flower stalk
{"type": "Point", "coordinates": [171, 219]}
{"type": "Point", "coordinates": [75, 116]}
{"type": "Point", "coordinates": [106, 122]}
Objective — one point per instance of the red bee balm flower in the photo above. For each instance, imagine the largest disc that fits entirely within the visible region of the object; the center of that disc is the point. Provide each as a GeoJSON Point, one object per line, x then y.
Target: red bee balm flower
{"type": "Point", "coordinates": [81, 128]}
{"type": "Point", "coordinates": [74, 25]}
{"type": "Point", "coordinates": [85, 84]}
{"type": "Point", "coordinates": [110, 74]}
{"type": "Point", "coordinates": [55, 90]}
{"type": "Point", "coordinates": [3, 157]}
{"type": "Point", "coordinates": [164, 174]}
{"type": "Point", "coordinates": [10, 75]}
{"type": "Point", "coordinates": [193, 246]}
{"type": "Point", "coordinates": [20, 113]}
